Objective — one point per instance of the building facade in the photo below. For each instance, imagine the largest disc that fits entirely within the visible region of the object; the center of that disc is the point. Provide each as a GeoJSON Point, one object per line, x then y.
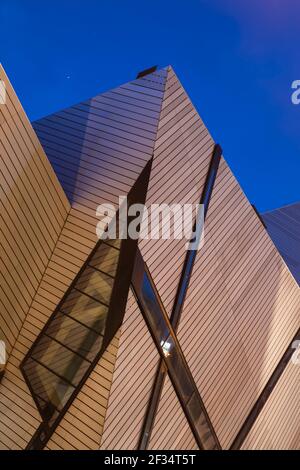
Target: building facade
{"type": "Point", "coordinates": [140, 344]}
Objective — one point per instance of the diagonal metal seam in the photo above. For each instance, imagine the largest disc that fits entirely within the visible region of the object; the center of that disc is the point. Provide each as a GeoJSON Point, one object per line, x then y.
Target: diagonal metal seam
{"type": "Point", "coordinates": [264, 396]}
{"type": "Point", "coordinates": [172, 357]}
{"type": "Point", "coordinates": [183, 285]}
{"type": "Point", "coordinates": [114, 318]}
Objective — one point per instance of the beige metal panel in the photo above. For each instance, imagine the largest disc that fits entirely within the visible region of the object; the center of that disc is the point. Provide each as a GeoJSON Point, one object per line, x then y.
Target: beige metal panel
{"type": "Point", "coordinates": [171, 430]}
{"type": "Point", "coordinates": [241, 311]}
{"type": "Point", "coordinates": [278, 425]}
{"type": "Point", "coordinates": [33, 208]}
{"type": "Point", "coordinates": [132, 382]}
{"type": "Point", "coordinates": [88, 408]}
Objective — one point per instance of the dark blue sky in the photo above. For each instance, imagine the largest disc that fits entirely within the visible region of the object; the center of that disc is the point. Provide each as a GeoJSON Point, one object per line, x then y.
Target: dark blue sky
{"type": "Point", "coordinates": [236, 59]}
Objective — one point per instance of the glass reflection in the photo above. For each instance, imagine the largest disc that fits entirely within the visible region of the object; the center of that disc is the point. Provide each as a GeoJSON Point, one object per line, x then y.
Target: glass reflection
{"type": "Point", "coordinates": [72, 339]}
{"type": "Point", "coordinates": [166, 341]}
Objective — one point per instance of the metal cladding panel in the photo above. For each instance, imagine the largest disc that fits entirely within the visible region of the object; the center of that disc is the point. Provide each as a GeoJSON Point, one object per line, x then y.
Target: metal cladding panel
{"type": "Point", "coordinates": [182, 154]}
{"type": "Point", "coordinates": [132, 382]}
{"type": "Point", "coordinates": [278, 425]}
{"type": "Point", "coordinates": [181, 158]}
{"type": "Point", "coordinates": [82, 425]}
{"type": "Point", "coordinates": [283, 225]}
{"type": "Point", "coordinates": [133, 102]}
{"type": "Point", "coordinates": [241, 310]}
{"type": "Point", "coordinates": [33, 208]}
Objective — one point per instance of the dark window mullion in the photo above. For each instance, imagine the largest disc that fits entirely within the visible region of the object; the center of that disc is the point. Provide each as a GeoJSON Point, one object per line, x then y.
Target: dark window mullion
{"type": "Point", "coordinates": [46, 403]}
{"type": "Point", "coordinates": [80, 323]}
{"type": "Point", "coordinates": [102, 272]}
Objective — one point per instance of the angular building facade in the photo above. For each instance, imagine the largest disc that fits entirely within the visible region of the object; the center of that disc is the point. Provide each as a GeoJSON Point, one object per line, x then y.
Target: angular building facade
{"type": "Point", "coordinates": [283, 226]}
{"type": "Point", "coordinates": [140, 344]}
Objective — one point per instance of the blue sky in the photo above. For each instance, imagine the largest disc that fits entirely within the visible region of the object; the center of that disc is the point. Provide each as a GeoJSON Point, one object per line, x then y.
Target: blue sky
{"type": "Point", "coordinates": [236, 59]}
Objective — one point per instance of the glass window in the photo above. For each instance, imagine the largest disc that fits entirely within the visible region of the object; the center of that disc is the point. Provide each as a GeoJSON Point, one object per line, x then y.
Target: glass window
{"type": "Point", "coordinates": [70, 342]}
